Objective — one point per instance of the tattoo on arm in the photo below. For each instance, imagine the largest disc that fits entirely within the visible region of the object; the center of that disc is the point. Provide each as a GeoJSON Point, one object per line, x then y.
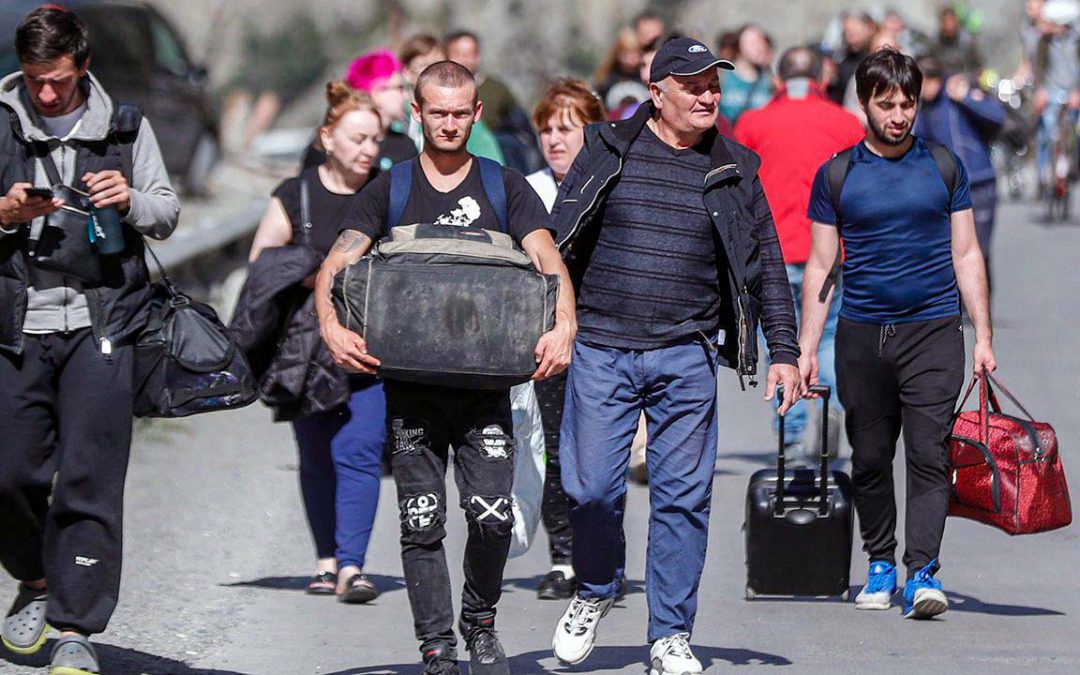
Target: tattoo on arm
{"type": "Point", "coordinates": [348, 241]}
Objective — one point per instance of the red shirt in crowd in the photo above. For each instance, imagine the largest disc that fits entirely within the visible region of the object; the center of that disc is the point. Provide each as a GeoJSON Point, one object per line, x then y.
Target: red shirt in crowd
{"type": "Point", "coordinates": [794, 137]}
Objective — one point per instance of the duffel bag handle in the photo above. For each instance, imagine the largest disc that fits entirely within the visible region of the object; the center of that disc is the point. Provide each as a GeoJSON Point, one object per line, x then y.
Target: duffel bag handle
{"type": "Point", "coordinates": [984, 416]}
{"type": "Point", "coordinates": [997, 407]}
{"type": "Point", "coordinates": [988, 402]}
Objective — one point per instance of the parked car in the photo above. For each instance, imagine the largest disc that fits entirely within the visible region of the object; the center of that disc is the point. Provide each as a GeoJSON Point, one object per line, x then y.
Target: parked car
{"type": "Point", "coordinates": [140, 58]}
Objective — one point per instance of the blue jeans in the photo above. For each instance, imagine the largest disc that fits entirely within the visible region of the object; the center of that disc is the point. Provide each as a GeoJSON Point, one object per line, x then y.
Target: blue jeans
{"type": "Point", "coordinates": [605, 391]}
{"type": "Point", "coordinates": [1047, 133]}
{"type": "Point", "coordinates": [795, 422]}
{"type": "Point", "coordinates": [340, 466]}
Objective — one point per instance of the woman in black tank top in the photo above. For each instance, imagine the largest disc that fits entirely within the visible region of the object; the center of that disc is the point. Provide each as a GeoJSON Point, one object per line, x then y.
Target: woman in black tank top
{"type": "Point", "coordinates": [340, 449]}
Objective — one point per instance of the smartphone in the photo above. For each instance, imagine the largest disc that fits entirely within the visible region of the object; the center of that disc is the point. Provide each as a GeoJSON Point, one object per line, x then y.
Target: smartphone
{"type": "Point", "coordinates": [44, 193]}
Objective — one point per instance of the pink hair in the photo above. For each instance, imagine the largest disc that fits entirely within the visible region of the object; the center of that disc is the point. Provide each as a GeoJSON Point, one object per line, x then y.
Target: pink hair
{"type": "Point", "coordinates": [372, 67]}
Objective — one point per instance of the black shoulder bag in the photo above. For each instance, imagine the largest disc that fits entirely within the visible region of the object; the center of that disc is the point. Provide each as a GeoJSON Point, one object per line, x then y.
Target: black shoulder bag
{"type": "Point", "coordinates": [64, 245]}
{"type": "Point", "coordinates": [185, 360]}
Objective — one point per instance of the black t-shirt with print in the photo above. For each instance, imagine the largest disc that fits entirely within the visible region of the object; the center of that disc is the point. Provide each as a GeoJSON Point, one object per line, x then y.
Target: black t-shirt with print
{"type": "Point", "coordinates": [465, 205]}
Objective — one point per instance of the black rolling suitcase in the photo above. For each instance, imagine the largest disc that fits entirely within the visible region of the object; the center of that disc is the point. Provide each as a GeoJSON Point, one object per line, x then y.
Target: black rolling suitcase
{"type": "Point", "coordinates": [798, 530]}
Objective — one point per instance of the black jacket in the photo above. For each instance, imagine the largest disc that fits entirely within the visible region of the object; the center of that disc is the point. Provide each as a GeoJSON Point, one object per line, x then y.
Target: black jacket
{"type": "Point", "coordinates": [275, 324]}
{"type": "Point", "coordinates": [757, 279]}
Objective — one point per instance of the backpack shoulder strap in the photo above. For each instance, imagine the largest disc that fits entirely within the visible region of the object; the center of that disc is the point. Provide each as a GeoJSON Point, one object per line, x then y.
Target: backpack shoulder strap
{"type": "Point", "coordinates": [127, 118]}
{"type": "Point", "coordinates": [946, 164]}
{"type": "Point", "coordinates": [836, 174]}
{"type": "Point", "coordinates": [491, 175]}
{"type": "Point", "coordinates": [401, 175]}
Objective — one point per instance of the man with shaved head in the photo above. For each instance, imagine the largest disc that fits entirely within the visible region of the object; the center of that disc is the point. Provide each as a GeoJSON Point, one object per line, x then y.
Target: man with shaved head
{"type": "Point", "coordinates": [448, 186]}
{"type": "Point", "coordinates": [797, 131]}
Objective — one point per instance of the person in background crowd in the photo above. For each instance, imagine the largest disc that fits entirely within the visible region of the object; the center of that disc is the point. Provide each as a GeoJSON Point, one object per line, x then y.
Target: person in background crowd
{"type": "Point", "coordinates": [561, 115]}
{"type": "Point", "coordinates": [1032, 28]}
{"type": "Point", "coordinates": [380, 75]}
{"type": "Point", "coordinates": [340, 439]}
{"type": "Point", "coordinates": [911, 255]}
{"type": "Point", "coordinates": [954, 112]}
{"type": "Point", "coordinates": [750, 85]}
{"type": "Point", "coordinates": [664, 201]}
{"type": "Point", "coordinates": [462, 46]}
{"type": "Point", "coordinates": [859, 29]}
{"type": "Point", "coordinates": [907, 39]}
{"type": "Point", "coordinates": [1056, 77]}
{"type": "Point", "coordinates": [797, 131]}
{"type": "Point", "coordinates": [618, 79]}
{"type": "Point", "coordinates": [427, 419]}
{"type": "Point", "coordinates": [66, 347]}
{"type": "Point", "coordinates": [727, 45]}
{"type": "Point", "coordinates": [502, 114]}
{"type": "Point", "coordinates": [418, 52]}
{"type": "Point", "coordinates": [955, 48]}
{"type": "Point", "coordinates": [648, 26]}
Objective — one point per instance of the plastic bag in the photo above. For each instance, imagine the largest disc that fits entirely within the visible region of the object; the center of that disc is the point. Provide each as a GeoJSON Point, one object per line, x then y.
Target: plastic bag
{"type": "Point", "coordinates": [528, 489]}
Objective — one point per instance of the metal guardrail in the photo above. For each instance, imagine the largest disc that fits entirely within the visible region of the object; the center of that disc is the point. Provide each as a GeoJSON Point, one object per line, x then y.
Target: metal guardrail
{"type": "Point", "coordinates": [232, 213]}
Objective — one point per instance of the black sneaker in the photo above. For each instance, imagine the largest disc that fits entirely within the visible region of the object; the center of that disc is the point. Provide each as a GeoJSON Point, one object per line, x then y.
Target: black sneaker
{"type": "Point", "coordinates": [486, 655]}
{"type": "Point", "coordinates": [441, 659]}
{"type": "Point", "coordinates": [624, 586]}
{"type": "Point", "coordinates": [555, 586]}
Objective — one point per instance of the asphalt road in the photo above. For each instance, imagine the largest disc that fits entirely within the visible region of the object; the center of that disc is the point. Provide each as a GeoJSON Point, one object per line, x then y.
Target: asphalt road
{"type": "Point", "coordinates": [218, 550]}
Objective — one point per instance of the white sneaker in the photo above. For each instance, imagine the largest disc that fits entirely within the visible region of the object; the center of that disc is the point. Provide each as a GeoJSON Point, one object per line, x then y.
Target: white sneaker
{"type": "Point", "coordinates": [575, 634]}
{"type": "Point", "coordinates": [672, 656]}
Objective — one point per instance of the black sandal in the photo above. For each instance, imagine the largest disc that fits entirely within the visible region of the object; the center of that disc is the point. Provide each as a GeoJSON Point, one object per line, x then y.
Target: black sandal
{"type": "Point", "coordinates": [358, 590]}
{"type": "Point", "coordinates": [323, 583]}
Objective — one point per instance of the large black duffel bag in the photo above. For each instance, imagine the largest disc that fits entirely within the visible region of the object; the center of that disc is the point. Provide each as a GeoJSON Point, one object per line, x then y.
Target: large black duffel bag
{"type": "Point", "coordinates": [447, 305]}
{"type": "Point", "coordinates": [185, 360]}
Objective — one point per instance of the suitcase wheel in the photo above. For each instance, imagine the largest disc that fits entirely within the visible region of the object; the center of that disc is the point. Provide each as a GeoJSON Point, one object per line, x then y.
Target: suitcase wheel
{"type": "Point", "coordinates": [750, 594]}
{"type": "Point", "coordinates": [845, 596]}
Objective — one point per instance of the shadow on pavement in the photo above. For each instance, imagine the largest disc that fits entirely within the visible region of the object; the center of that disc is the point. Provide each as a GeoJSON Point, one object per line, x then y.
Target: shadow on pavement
{"type": "Point", "coordinates": [602, 658]}
{"type": "Point", "coordinates": [119, 661]}
{"type": "Point", "coordinates": [385, 584]}
{"type": "Point", "coordinates": [966, 603]}
{"type": "Point", "coordinates": [530, 584]}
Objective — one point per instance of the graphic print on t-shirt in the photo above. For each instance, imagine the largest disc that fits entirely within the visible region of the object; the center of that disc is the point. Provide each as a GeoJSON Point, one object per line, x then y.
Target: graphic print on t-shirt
{"type": "Point", "coordinates": [467, 213]}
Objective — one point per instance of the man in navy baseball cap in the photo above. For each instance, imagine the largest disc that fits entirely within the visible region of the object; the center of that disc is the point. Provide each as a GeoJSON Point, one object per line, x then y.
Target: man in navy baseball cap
{"type": "Point", "coordinates": [684, 56]}
{"type": "Point", "coordinates": [649, 211]}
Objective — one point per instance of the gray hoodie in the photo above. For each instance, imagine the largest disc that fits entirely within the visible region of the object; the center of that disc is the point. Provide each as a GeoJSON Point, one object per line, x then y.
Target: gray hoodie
{"type": "Point", "coordinates": [56, 303]}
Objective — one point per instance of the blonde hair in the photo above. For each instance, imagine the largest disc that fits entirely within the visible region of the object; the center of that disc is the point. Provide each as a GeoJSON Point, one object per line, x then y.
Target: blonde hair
{"type": "Point", "coordinates": [625, 40]}
{"type": "Point", "coordinates": [342, 99]}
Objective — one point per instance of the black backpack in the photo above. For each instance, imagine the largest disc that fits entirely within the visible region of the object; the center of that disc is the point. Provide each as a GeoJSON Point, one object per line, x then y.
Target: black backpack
{"type": "Point", "coordinates": [836, 172]}
{"type": "Point", "coordinates": [185, 361]}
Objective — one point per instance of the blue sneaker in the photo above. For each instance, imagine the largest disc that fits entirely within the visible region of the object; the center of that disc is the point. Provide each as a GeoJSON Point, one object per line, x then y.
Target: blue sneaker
{"type": "Point", "coordinates": [923, 597]}
{"type": "Point", "coordinates": [879, 588]}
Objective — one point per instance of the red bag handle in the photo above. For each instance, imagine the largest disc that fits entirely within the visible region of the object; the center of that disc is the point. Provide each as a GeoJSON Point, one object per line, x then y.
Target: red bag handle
{"type": "Point", "coordinates": [988, 399]}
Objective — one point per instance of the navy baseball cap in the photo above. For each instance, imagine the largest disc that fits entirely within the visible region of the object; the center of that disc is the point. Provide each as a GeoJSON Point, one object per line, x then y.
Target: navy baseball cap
{"type": "Point", "coordinates": [684, 56]}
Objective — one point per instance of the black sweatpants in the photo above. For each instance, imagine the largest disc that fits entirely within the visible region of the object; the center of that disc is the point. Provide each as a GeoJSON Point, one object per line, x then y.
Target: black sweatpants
{"type": "Point", "coordinates": [66, 410]}
{"type": "Point", "coordinates": [423, 422]}
{"type": "Point", "coordinates": [555, 509]}
{"type": "Point", "coordinates": [895, 377]}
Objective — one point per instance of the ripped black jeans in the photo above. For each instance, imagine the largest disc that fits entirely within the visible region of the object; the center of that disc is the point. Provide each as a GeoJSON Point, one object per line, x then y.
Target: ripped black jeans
{"type": "Point", "coordinates": [424, 422]}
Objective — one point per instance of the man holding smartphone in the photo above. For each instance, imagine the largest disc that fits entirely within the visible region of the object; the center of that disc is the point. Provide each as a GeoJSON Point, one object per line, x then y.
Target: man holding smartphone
{"type": "Point", "coordinates": [66, 352]}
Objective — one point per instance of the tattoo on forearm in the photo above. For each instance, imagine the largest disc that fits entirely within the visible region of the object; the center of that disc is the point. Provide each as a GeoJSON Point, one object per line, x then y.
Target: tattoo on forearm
{"type": "Point", "coordinates": [348, 241]}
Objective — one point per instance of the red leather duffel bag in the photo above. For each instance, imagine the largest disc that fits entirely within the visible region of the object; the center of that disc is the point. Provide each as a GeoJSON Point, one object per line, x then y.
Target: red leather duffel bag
{"type": "Point", "coordinates": [1005, 471]}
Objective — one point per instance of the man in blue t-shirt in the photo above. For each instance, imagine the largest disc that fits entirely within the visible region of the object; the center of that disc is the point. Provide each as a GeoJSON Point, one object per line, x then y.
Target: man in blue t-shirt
{"type": "Point", "coordinates": [910, 255]}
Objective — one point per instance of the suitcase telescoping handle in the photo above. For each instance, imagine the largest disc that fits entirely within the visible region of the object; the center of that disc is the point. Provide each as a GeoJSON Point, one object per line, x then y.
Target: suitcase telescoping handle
{"type": "Point", "coordinates": [823, 506]}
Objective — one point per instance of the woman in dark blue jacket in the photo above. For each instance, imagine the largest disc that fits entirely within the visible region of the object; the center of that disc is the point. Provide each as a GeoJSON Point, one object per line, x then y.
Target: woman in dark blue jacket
{"type": "Point", "coordinates": [964, 119]}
